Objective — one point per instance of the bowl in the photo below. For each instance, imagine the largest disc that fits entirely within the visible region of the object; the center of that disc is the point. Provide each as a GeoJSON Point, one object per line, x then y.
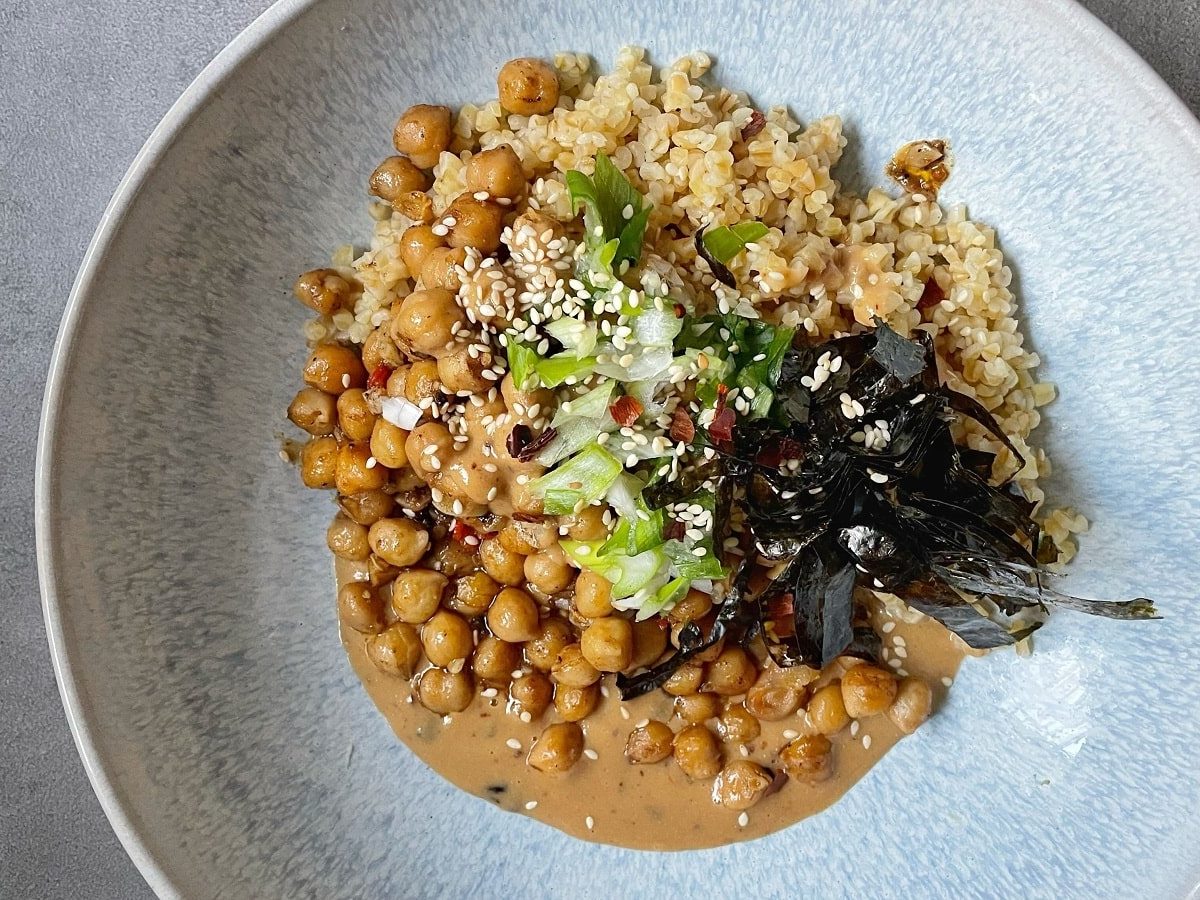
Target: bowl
{"type": "Point", "coordinates": [188, 592]}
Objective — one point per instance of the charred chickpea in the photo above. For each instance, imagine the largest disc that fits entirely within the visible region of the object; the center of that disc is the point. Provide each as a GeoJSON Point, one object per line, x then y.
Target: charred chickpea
{"type": "Point", "coordinates": [548, 570]}
{"type": "Point", "coordinates": [826, 710]}
{"type": "Point", "coordinates": [354, 416]}
{"type": "Point", "coordinates": [741, 784]}
{"type": "Point", "coordinates": [380, 350]}
{"type": "Point", "coordinates": [738, 725]}
{"type": "Point", "coordinates": [697, 752]}
{"type": "Point", "coordinates": [440, 269]}
{"type": "Point", "coordinates": [445, 692]}
{"type": "Point", "coordinates": [867, 691]}
{"type": "Point", "coordinates": [513, 616]}
{"type": "Point", "coordinates": [496, 172]}
{"type": "Point", "coordinates": [585, 525]}
{"type": "Point", "coordinates": [395, 177]}
{"type": "Point", "coordinates": [422, 133]}
{"type": "Point", "coordinates": [649, 643]}
{"type": "Point", "coordinates": [314, 411]}
{"type": "Point", "coordinates": [684, 680]}
{"type": "Point", "coordinates": [574, 704]}
{"type": "Point", "coordinates": [367, 507]}
{"type": "Point", "coordinates": [532, 692]}
{"type": "Point", "coordinates": [476, 223]}
{"type": "Point", "coordinates": [807, 759]}
{"type": "Point", "coordinates": [553, 636]}
{"type": "Point", "coordinates": [357, 470]}
{"type": "Point", "coordinates": [495, 660]}
{"type": "Point", "coordinates": [557, 748]}
{"type": "Point", "coordinates": [400, 542]}
{"type": "Point", "coordinates": [527, 86]}
{"type": "Point", "coordinates": [416, 245]}
{"type": "Point", "coordinates": [608, 644]}
{"type": "Point", "coordinates": [447, 637]}
{"type": "Point", "coordinates": [593, 597]}
{"type": "Point", "coordinates": [417, 594]}
{"type": "Point", "coordinates": [695, 605]}
{"type": "Point", "coordinates": [333, 368]}
{"type": "Point", "coordinates": [503, 565]}
{"type": "Point", "coordinates": [360, 607]}
{"type": "Point", "coordinates": [347, 539]}
{"type": "Point", "coordinates": [396, 650]}
{"type": "Point", "coordinates": [696, 709]}
{"type": "Point", "coordinates": [649, 743]}
{"type": "Point", "coordinates": [731, 673]}
{"type": "Point", "coordinates": [318, 462]}
{"type": "Point", "coordinates": [572, 668]}
{"type": "Point", "coordinates": [427, 321]}
{"type": "Point", "coordinates": [473, 594]}
{"type": "Point", "coordinates": [911, 706]}
{"type": "Point", "coordinates": [323, 290]}
{"type": "Point", "coordinates": [387, 444]}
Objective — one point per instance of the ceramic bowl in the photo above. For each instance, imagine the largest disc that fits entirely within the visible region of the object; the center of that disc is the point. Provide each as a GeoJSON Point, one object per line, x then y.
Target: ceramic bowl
{"type": "Point", "coordinates": [187, 587]}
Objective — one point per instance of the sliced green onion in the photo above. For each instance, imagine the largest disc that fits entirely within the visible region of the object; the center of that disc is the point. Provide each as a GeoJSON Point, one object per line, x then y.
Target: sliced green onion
{"type": "Point", "coordinates": [723, 244]}
{"type": "Point", "coordinates": [583, 478]}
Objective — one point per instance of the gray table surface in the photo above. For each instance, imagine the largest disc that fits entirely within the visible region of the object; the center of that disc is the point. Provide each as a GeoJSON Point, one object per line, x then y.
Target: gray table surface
{"type": "Point", "coordinates": [82, 83]}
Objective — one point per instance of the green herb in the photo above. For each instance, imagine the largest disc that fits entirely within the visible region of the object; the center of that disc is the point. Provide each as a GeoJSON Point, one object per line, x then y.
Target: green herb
{"type": "Point", "coordinates": [583, 478]}
{"type": "Point", "coordinates": [521, 362]}
{"type": "Point", "coordinates": [554, 370]}
{"type": "Point", "coordinates": [723, 244]}
{"type": "Point", "coordinates": [606, 197]}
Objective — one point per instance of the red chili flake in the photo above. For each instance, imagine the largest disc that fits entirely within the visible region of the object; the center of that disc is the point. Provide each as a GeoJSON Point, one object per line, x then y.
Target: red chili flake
{"type": "Point", "coordinates": [462, 531]}
{"type": "Point", "coordinates": [722, 393]}
{"type": "Point", "coordinates": [775, 456]}
{"type": "Point", "coordinates": [379, 377]}
{"type": "Point", "coordinates": [673, 530]}
{"type": "Point", "coordinates": [932, 295]}
{"type": "Point", "coordinates": [680, 310]}
{"type": "Point", "coordinates": [754, 125]}
{"type": "Point", "coordinates": [682, 426]}
{"type": "Point", "coordinates": [625, 411]}
{"type": "Point", "coordinates": [779, 613]}
{"type": "Point", "coordinates": [721, 428]}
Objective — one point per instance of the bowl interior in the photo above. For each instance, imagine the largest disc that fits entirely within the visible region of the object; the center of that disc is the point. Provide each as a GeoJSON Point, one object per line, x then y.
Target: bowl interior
{"type": "Point", "coordinates": [189, 590]}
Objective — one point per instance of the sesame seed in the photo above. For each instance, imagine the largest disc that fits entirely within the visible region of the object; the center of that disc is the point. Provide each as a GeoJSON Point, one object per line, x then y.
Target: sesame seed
{"type": "Point", "coordinates": [866, 742]}
{"type": "Point", "coordinates": [624, 713]}
{"type": "Point", "coordinates": [641, 723]}
{"type": "Point", "coordinates": [526, 716]}
{"type": "Point", "coordinates": [947, 681]}
{"type": "Point", "coordinates": [854, 727]}
{"type": "Point", "coordinates": [371, 462]}
{"type": "Point", "coordinates": [488, 692]}
{"type": "Point", "coordinates": [532, 804]}
{"type": "Point", "coordinates": [790, 735]}
{"type": "Point", "coordinates": [513, 743]}
{"type": "Point", "coordinates": [743, 820]}
{"type": "Point", "coordinates": [346, 380]}
{"type": "Point", "coordinates": [888, 627]}
{"type": "Point", "coordinates": [591, 754]}
{"type": "Point", "coordinates": [590, 822]}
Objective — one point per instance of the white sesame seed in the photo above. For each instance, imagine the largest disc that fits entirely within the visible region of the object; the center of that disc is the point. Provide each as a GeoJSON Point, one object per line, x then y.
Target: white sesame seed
{"type": "Point", "coordinates": [743, 820]}
{"type": "Point", "coordinates": [866, 742]}
{"type": "Point", "coordinates": [790, 735]}
{"type": "Point", "coordinates": [591, 754]}
{"type": "Point", "coordinates": [532, 804]}
{"type": "Point", "coordinates": [590, 822]}
{"type": "Point", "coordinates": [346, 380]}
{"type": "Point", "coordinates": [854, 726]}
{"type": "Point", "coordinates": [641, 723]}
{"type": "Point", "coordinates": [513, 743]}
{"type": "Point", "coordinates": [947, 681]}
{"type": "Point", "coordinates": [888, 627]}
{"type": "Point", "coordinates": [624, 713]}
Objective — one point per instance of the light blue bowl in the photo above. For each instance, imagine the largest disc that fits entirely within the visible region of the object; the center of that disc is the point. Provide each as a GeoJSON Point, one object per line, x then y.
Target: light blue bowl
{"type": "Point", "coordinates": [187, 586]}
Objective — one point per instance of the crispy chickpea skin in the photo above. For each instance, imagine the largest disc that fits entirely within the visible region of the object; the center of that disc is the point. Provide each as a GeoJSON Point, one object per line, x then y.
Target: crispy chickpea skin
{"type": "Point", "coordinates": [737, 724]}
{"type": "Point", "coordinates": [503, 565]}
{"type": "Point", "coordinates": [360, 607]}
{"type": "Point", "coordinates": [473, 594]}
{"type": "Point", "coordinates": [323, 290]}
{"type": "Point", "coordinates": [571, 668]}
{"type": "Point", "coordinates": [826, 711]}
{"type": "Point", "coordinates": [426, 320]}
{"type": "Point", "coordinates": [476, 223]}
{"type": "Point", "coordinates": [400, 542]}
{"type": "Point", "coordinates": [445, 692]}
{"type": "Point", "coordinates": [396, 650]}
{"type": "Point", "coordinates": [497, 172]}
{"type": "Point", "coordinates": [697, 752]}
{"type": "Point", "coordinates": [395, 177]}
{"type": "Point", "coordinates": [807, 759]}
{"type": "Point", "coordinates": [532, 692]}
{"type": "Point", "coordinates": [347, 539]}
{"type": "Point", "coordinates": [527, 86]}
{"type": "Point", "coordinates": [333, 368]}
{"type": "Point", "coordinates": [318, 462]}
{"type": "Point", "coordinates": [513, 616]}
{"type": "Point", "coordinates": [741, 784]}
{"type": "Point", "coordinates": [417, 594]}
{"type": "Point", "coordinates": [911, 707]}
{"type": "Point", "coordinates": [867, 691]}
{"type": "Point", "coordinates": [608, 644]}
{"type": "Point", "coordinates": [446, 637]}
{"type": "Point", "coordinates": [548, 570]}
{"type": "Point", "coordinates": [422, 133]}
{"type": "Point", "coordinates": [650, 743]}
{"type": "Point", "coordinates": [354, 473]}
{"type": "Point", "coordinates": [314, 411]}
{"type": "Point", "coordinates": [387, 444]}
{"type": "Point", "coordinates": [495, 660]}
{"type": "Point", "coordinates": [696, 709]}
{"type": "Point", "coordinates": [552, 637]}
{"type": "Point", "coordinates": [416, 245]}
{"type": "Point", "coordinates": [440, 268]}
{"type": "Point", "coordinates": [557, 749]}
{"type": "Point", "coordinates": [367, 507]}
{"type": "Point", "coordinates": [593, 597]}
{"type": "Point", "coordinates": [354, 416]}
{"type": "Point", "coordinates": [575, 704]}
{"type": "Point", "coordinates": [731, 673]}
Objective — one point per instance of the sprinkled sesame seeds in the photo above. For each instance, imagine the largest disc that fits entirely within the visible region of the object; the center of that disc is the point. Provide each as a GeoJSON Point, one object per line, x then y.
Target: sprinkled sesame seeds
{"type": "Point", "coordinates": [866, 742]}
{"type": "Point", "coordinates": [590, 823]}
{"type": "Point", "coordinates": [743, 820]}
{"type": "Point", "coordinates": [513, 744]}
{"type": "Point", "coordinates": [532, 804]}
{"type": "Point", "coordinates": [591, 754]}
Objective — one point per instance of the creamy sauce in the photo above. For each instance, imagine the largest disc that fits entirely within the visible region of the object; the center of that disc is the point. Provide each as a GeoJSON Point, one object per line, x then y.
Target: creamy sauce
{"type": "Point", "coordinates": [650, 807]}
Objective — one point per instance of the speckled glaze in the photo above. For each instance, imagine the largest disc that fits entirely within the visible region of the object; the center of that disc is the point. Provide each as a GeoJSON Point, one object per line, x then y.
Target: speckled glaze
{"type": "Point", "coordinates": [188, 590]}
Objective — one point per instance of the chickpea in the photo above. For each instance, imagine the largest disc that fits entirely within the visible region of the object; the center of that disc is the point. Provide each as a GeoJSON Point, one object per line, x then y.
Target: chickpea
{"type": "Point", "coordinates": [741, 784]}
{"type": "Point", "coordinates": [427, 321]}
{"type": "Point", "coordinates": [458, 370]}
{"type": "Point", "coordinates": [552, 638]}
{"type": "Point", "coordinates": [416, 447]}
{"type": "Point", "coordinates": [347, 539]}
{"type": "Point", "coordinates": [506, 567]}
{"type": "Point", "coordinates": [587, 524]}
{"type": "Point", "coordinates": [513, 616]}
{"type": "Point", "coordinates": [495, 660]}
{"type": "Point", "coordinates": [421, 381]}
{"type": "Point", "coordinates": [417, 594]}
{"type": "Point", "coordinates": [867, 691]}
{"type": "Point", "coordinates": [379, 572]}
{"type": "Point", "coordinates": [422, 133]}
{"type": "Point", "coordinates": [416, 244]}
{"type": "Point", "coordinates": [738, 725]}
{"type": "Point", "coordinates": [575, 704]}
{"type": "Point", "coordinates": [557, 749]}
{"type": "Point", "coordinates": [695, 605]}
{"type": "Point", "coordinates": [548, 570]}
{"type": "Point", "coordinates": [528, 86]}
{"type": "Point", "coordinates": [697, 709]}
{"type": "Point", "coordinates": [704, 656]}
{"type": "Point", "coordinates": [649, 643]}
{"type": "Point", "coordinates": [323, 290]}
{"type": "Point", "coordinates": [513, 539]}
{"type": "Point", "coordinates": [572, 668]}
{"type": "Point", "coordinates": [593, 598]}
{"type": "Point", "coordinates": [446, 637]}
{"type": "Point", "coordinates": [353, 472]}
{"type": "Point", "coordinates": [733, 672]}
{"type": "Point", "coordinates": [318, 463]}
{"type": "Point", "coordinates": [773, 697]}
{"type": "Point", "coordinates": [473, 594]}
{"type": "Point", "coordinates": [650, 743]}
{"type": "Point", "coordinates": [396, 650]}
{"type": "Point", "coordinates": [387, 444]}
{"type": "Point", "coordinates": [496, 172]}
{"type": "Point", "coordinates": [440, 269]}
{"type": "Point", "coordinates": [333, 368]}
{"type": "Point", "coordinates": [477, 223]}
{"type": "Point", "coordinates": [354, 416]}
{"type": "Point", "coordinates": [807, 759]}
{"type": "Point", "coordinates": [539, 535]}
{"type": "Point", "coordinates": [532, 692]}
{"type": "Point", "coordinates": [697, 752]}
{"type": "Point", "coordinates": [360, 607]}
{"type": "Point", "coordinates": [684, 680]}
{"type": "Point", "coordinates": [911, 706]}
{"type": "Point", "coordinates": [396, 176]}
{"type": "Point", "coordinates": [416, 205]}
{"type": "Point", "coordinates": [826, 711]}
{"type": "Point", "coordinates": [454, 560]}
{"type": "Point", "coordinates": [380, 350]}
{"type": "Point", "coordinates": [608, 644]}
{"type": "Point", "coordinates": [367, 507]}
{"type": "Point", "coordinates": [313, 411]}
{"type": "Point", "coordinates": [400, 542]}
{"type": "Point", "coordinates": [445, 692]}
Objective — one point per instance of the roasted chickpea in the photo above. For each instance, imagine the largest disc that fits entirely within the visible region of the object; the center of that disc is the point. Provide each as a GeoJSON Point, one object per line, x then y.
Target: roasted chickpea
{"type": "Point", "coordinates": [473, 594]}
{"type": "Point", "coordinates": [548, 570]}
{"type": "Point", "coordinates": [360, 607]}
{"type": "Point", "coordinates": [575, 704]}
{"type": "Point", "coordinates": [738, 725]}
{"type": "Point", "coordinates": [697, 752]}
{"type": "Point", "coordinates": [333, 368]}
{"type": "Point", "coordinates": [400, 542]}
{"type": "Point", "coordinates": [354, 416]}
{"type": "Point", "coordinates": [684, 680]}
{"type": "Point", "coordinates": [773, 696]}
{"type": "Point", "coordinates": [867, 691]}
{"type": "Point", "coordinates": [422, 133]}
{"type": "Point", "coordinates": [807, 759]}
{"type": "Point", "coordinates": [532, 692]}
{"type": "Point", "coordinates": [367, 507]}
{"type": "Point", "coordinates": [395, 177]}
{"type": "Point", "coordinates": [513, 616]}
{"type": "Point", "coordinates": [826, 711]}
{"type": "Point", "coordinates": [911, 707]}
{"type": "Point", "coordinates": [586, 525]}
{"type": "Point", "coordinates": [697, 709]}
{"type": "Point", "coordinates": [440, 269]}
{"type": "Point", "coordinates": [421, 381]}
{"type": "Point", "coordinates": [446, 637]}
{"type": "Point", "coordinates": [387, 444]}
{"type": "Point", "coordinates": [539, 535]}
{"type": "Point", "coordinates": [454, 560]}
{"type": "Point", "coordinates": [593, 598]}
{"type": "Point", "coordinates": [733, 672]}
{"type": "Point", "coordinates": [527, 86]}
{"type": "Point", "coordinates": [318, 463]}
{"type": "Point", "coordinates": [380, 350]}
{"type": "Point", "coordinates": [396, 650]}
{"type": "Point", "coordinates": [552, 637]}
{"type": "Point", "coordinates": [695, 605]}
{"type": "Point", "coordinates": [323, 290]}
{"type": "Point", "coordinates": [416, 244]}
{"type": "Point", "coordinates": [741, 784]}
{"type": "Point", "coordinates": [496, 172]}
{"type": "Point", "coordinates": [649, 643]}
{"type": "Point", "coordinates": [314, 411]}
{"type": "Point", "coordinates": [347, 539]}
{"type": "Point", "coordinates": [557, 749]}
{"type": "Point", "coordinates": [458, 370]}
{"type": "Point", "coordinates": [495, 660]}
{"type": "Point", "coordinates": [427, 321]}
{"type": "Point", "coordinates": [417, 594]}
{"type": "Point", "coordinates": [445, 692]}
{"type": "Point", "coordinates": [514, 540]}
{"type": "Point", "coordinates": [608, 644]}
{"type": "Point", "coordinates": [356, 472]}
{"type": "Point", "coordinates": [506, 567]}
{"type": "Point", "coordinates": [572, 668]}
{"type": "Point", "coordinates": [379, 572]}
{"type": "Point", "coordinates": [417, 205]}
{"type": "Point", "coordinates": [477, 223]}
{"type": "Point", "coordinates": [650, 743]}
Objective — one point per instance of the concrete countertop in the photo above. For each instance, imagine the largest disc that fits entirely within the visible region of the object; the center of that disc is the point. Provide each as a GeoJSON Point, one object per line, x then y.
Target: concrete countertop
{"type": "Point", "coordinates": [82, 83]}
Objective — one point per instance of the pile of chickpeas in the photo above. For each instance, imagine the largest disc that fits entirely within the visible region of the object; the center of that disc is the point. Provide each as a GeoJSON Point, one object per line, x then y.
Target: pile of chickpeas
{"type": "Point", "coordinates": [459, 598]}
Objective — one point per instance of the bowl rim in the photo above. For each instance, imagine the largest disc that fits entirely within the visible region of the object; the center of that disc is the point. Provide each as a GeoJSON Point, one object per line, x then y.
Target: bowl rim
{"type": "Point", "coordinates": [1070, 14]}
